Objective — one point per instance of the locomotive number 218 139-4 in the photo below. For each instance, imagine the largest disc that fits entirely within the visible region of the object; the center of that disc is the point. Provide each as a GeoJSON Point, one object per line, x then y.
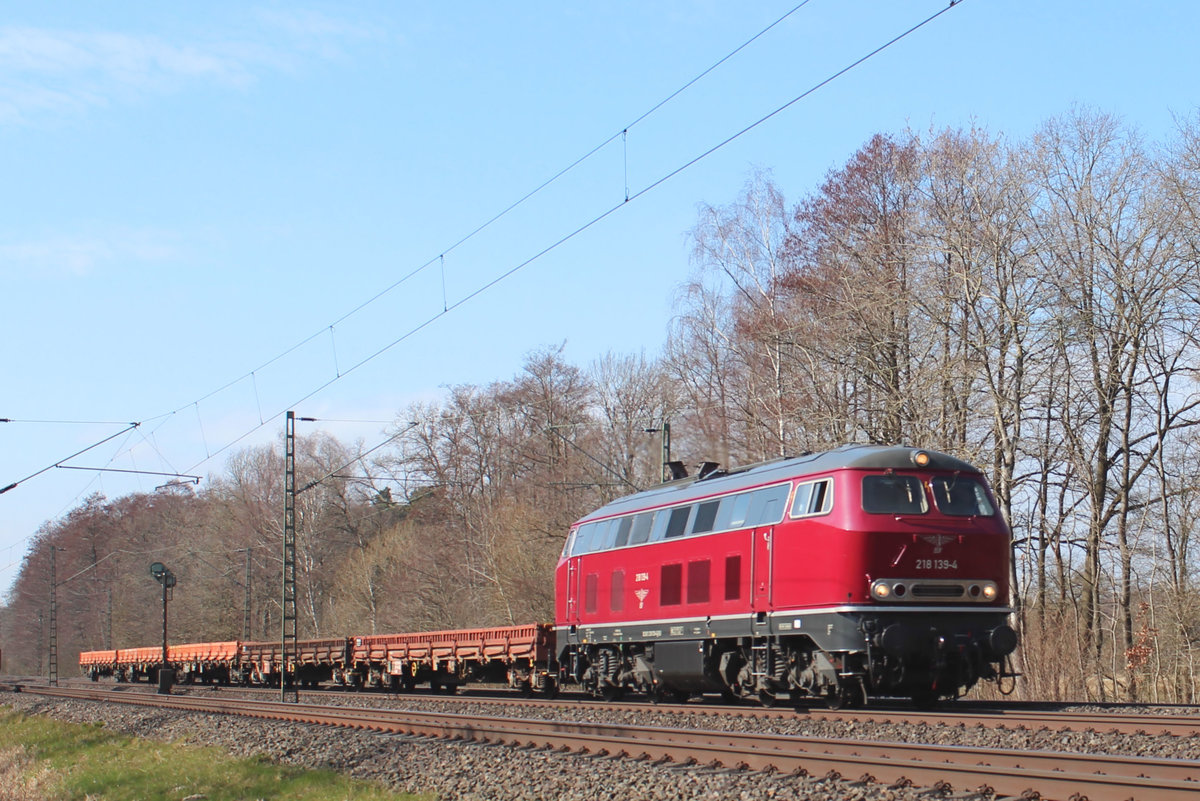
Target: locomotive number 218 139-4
{"type": "Point", "coordinates": [937, 564]}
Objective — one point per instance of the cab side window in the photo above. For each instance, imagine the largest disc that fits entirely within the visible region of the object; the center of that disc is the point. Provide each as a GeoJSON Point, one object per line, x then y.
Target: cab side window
{"type": "Point", "coordinates": [813, 498]}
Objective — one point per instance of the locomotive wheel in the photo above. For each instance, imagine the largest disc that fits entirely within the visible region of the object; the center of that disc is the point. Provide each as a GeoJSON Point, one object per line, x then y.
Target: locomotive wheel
{"type": "Point", "coordinates": [662, 695]}
{"type": "Point", "coordinates": [767, 698]}
{"type": "Point", "coordinates": [925, 698]}
{"type": "Point", "coordinates": [611, 692]}
{"type": "Point", "coordinates": [848, 695]}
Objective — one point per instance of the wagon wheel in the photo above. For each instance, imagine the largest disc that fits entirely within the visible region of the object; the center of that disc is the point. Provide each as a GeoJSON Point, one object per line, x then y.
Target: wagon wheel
{"type": "Point", "coordinates": [767, 698]}
{"type": "Point", "coordinates": [550, 688]}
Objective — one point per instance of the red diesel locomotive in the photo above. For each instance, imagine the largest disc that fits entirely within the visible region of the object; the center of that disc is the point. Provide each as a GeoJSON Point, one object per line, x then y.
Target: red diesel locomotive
{"type": "Point", "coordinates": [866, 570]}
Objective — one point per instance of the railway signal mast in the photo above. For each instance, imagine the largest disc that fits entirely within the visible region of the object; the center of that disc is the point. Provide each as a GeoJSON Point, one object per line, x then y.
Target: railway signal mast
{"type": "Point", "coordinates": [166, 676]}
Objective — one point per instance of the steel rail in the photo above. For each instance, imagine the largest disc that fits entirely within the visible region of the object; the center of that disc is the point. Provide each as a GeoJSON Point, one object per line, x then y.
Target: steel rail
{"type": "Point", "coordinates": [999, 716]}
{"type": "Point", "coordinates": [1015, 718]}
{"type": "Point", "coordinates": [1059, 721]}
{"type": "Point", "coordinates": [1007, 772]}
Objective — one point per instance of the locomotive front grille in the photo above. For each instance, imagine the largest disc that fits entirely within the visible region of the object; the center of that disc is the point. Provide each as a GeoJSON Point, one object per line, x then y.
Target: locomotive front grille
{"type": "Point", "coordinates": [938, 590]}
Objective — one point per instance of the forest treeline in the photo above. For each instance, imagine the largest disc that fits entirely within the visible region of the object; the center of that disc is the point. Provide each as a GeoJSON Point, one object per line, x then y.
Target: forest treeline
{"type": "Point", "coordinates": [1030, 306]}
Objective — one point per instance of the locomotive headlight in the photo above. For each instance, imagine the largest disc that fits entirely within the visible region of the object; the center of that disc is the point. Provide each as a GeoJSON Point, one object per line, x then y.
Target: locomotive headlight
{"type": "Point", "coordinates": [920, 458]}
{"type": "Point", "coordinates": [881, 590]}
{"type": "Point", "coordinates": [990, 591]}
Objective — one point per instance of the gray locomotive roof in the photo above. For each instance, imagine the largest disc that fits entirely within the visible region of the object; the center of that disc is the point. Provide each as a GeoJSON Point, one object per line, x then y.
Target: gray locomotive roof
{"type": "Point", "coordinates": [868, 457]}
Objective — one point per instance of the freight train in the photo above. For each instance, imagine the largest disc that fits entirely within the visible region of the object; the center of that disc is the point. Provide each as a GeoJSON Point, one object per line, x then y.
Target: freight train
{"type": "Point", "coordinates": [858, 572]}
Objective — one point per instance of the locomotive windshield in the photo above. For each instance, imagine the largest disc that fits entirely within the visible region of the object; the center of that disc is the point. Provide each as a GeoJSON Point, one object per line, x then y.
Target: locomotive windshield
{"type": "Point", "coordinates": [893, 495]}
{"type": "Point", "coordinates": [903, 495]}
{"type": "Point", "coordinates": [959, 496]}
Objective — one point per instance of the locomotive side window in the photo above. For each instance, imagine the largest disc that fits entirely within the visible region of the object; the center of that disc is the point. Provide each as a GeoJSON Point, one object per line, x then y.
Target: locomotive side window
{"type": "Point", "coordinates": [706, 516]}
{"type": "Point", "coordinates": [733, 577]}
{"type": "Point", "coordinates": [697, 582]}
{"type": "Point", "coordinates": [589, 535]}
{"type": "Point", "coordinates": [678, 522]}
{"type": "Point", "coordinates": [671, 585]}
{"type": "Point", "coordinates": [623, 532]}
{"type": "Point", "coordinates": [616, 598]}
{"type": "Point", "coordinates": [894, 495]}
{"type": "Point", "coordinates": [741, 507]}
{"type": "Point", "coordinates": [733, 511]}
{"type": "Point", "coordinates": [579, 543]}
{"type": "Point", "coordinates": [603, 538]}
{"type": "Point", "coordinates": [813, 498]}
{"type": "Point", "coordinates": [641, 528]}
{"type": "Point", "coordinates": [659, 531]}
{"type": "Point", "coordinates": [766, 505]}
{"type": "Point", "coordinates": [964, 497]}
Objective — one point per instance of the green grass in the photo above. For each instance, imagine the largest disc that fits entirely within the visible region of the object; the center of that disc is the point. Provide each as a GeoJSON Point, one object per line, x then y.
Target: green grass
{"type": "Point", "coordinates": [42, 759]}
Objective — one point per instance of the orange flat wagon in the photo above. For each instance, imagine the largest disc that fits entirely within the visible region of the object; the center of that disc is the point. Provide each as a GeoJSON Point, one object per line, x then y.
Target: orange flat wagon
{"type": "Point", "coordinates": [518, 656]}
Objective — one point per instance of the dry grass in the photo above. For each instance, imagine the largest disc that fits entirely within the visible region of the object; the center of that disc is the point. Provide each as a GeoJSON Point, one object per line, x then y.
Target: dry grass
{"type": "Point", "coordinates": [21, 779]}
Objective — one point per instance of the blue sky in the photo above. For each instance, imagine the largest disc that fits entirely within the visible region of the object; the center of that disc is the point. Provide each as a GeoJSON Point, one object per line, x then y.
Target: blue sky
{"type": "Point", "coordinates": [187, 191]}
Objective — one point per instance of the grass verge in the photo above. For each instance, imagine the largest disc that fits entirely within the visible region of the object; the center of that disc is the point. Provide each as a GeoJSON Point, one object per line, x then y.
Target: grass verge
{"type": "Point", "coordinates": [42, 759]}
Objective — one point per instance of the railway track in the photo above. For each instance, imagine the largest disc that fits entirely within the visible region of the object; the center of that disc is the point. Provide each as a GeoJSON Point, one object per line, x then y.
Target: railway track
{"type": "Point", "coordinates": [1007, 772]}
{"type": "Point", "coordinates": [1011, 716]}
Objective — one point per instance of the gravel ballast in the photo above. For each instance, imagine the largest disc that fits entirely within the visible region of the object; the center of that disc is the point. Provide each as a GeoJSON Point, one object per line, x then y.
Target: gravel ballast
{"type": "Point", "coordinates": [468, 771]}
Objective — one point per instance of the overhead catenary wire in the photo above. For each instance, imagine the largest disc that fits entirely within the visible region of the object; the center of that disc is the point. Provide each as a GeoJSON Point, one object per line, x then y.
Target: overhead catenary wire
{"type": "Point", "coordinates": [357, 458]}
{"type": "Point", "coordinates": [13, 485]}
{"type": "Point", "coordinates": [69, 422]}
